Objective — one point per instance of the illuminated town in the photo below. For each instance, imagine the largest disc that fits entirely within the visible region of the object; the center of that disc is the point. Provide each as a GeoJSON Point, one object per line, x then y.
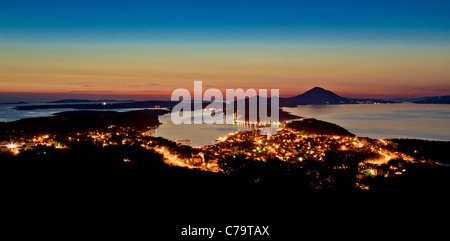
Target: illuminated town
{"type": "Point", "coordinates": [371, 157]}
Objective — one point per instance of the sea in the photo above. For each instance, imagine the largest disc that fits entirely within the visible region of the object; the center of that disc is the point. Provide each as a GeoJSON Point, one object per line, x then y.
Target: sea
{"type": "Point", "coordinates": [380, 121]}
{"type": "Point", "coordinates": [383, 121]}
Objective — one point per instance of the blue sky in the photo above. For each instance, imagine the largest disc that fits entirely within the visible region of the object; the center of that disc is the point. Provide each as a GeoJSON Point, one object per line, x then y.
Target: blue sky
{"type": "Point", "coordinates": [233, 20]}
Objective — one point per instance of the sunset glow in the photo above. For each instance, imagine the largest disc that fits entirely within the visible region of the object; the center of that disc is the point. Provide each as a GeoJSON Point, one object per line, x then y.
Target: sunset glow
{"type": "Point", "coordinates": [75, 49]}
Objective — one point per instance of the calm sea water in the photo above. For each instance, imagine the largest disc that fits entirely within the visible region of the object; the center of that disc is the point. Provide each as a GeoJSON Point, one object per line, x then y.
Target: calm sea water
{"type": "Point", "coordinates": [421, 121]}
{"type": "Point", "coordinates": [198, 134]}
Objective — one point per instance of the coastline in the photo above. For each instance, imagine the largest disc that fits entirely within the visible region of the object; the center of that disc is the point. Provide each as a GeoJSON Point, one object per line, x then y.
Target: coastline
{"type": "Point", "coordinates": [304, 156]}
{"type": "Point", "coordinates": [29, 123]}
{"type": "Point", "coordinates": [147, 119]}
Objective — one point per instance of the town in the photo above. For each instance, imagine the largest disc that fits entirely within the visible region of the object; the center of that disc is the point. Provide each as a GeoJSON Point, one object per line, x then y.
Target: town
{"type": "Point", "coordinates": [368, 157]}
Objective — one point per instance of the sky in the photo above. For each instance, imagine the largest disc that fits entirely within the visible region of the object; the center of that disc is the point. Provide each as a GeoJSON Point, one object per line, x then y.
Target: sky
{"type": "Point", "coordinates": [146, 49]}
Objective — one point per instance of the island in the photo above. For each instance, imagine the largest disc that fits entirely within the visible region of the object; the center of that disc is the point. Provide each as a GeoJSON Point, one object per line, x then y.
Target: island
{"type": "Point", "coordinates": [108, 149]}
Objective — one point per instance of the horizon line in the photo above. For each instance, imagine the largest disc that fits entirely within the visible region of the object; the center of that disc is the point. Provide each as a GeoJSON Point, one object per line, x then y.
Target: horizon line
{"type": "Point", "coordinates": [117, 96]}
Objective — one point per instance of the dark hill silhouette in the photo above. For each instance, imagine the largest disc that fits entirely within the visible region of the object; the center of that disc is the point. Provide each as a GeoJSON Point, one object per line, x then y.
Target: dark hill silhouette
{"type": "Point", "coordinates": [75, 121]}
{"type": "Point", "coordinates": [87, 101]}
{"type": "Point", "coordinates": [134, 104]}
{"type": "Point", "coordinates": [321, 96]}
{"type": "Point", "coordinates": [318, 127]}
{"type": "Point", "coordinates": [71, 101]}
{"type": "Point", "coordinates": [435, 100]}
{"type": "Point", "coordinates": [314, 96]}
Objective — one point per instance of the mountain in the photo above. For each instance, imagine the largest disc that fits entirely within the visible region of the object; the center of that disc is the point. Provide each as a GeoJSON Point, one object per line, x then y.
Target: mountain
{"type": "Point", "coordinates": [318, 127]}
{"type": "Point", "coordinates": [14, 103]}
{"type": "Point", "coordinates": [314, 96]}
{"type": "Point", "coordinates": [321, 96]}
{"type": "Point", "coordinates": [434, 100]}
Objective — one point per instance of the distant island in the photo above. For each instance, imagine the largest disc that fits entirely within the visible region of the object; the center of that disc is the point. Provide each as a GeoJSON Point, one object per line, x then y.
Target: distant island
{"type": "Point", "coordinates": [434, 100]}
{"type": "Point", "coordinates": [14, 103]}
{"type": "Point", "coordinates": [425, 100]}
{"type": "Point", "coordinates": [320, 96]}
{"type": "Point", "coordinates": [314, 96]}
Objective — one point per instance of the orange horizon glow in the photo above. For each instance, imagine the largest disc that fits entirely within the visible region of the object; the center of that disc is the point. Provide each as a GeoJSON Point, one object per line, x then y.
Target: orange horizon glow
{"type": "Point", "coordinates": [147, 49]}
{"type": "Point", "coordinates": [154, 72]}
{"type": "Point", "coordinates": [166, 94]}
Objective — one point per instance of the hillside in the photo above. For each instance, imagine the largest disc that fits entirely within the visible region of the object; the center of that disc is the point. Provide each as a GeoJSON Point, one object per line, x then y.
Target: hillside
{"type": "Point", "coordinates": [318, 127]}
{"type": "Point", "coordinates": [75, 121]}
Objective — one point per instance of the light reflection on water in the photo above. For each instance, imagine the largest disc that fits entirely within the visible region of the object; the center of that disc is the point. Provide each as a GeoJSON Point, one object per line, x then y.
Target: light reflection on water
{"type": "Point", "coordinates": [381, 121]}
{"type": "Point", "coordinates": [198, 134]}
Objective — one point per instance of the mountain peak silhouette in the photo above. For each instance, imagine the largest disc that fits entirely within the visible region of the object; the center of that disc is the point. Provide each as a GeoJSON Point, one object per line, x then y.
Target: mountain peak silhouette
{"type": "Point", "coordinates": [319, 91]}
{"type": "Point", "coordinates": [314, 96]}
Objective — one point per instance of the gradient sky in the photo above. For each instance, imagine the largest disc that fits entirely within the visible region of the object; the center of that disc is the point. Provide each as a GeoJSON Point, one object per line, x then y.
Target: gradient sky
{"type": "Point", "coordinates": [146, 49]}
